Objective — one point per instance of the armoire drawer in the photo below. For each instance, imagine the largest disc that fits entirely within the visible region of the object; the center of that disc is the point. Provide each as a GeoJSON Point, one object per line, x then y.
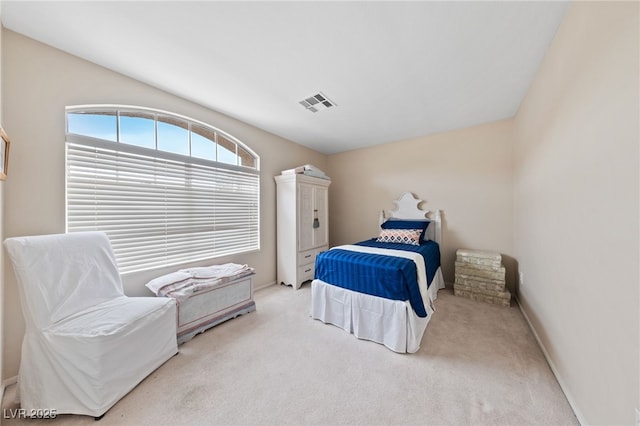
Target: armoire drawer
{"type": "Point", "coordinates": [306, 272]}
{"type": "Point", "coordinates": [309, 256]}
{"type": "Point", "coordinates": [306, 257]}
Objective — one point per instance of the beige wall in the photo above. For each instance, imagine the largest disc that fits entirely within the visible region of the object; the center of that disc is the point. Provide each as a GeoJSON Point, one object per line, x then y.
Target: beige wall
{"type": "Point", "coordinates": [38, 83]}
{"type": "Point", "coordinates": [465, 173]}
{"type": "Point", "coordinates": [576, 208]}
{"type": "Point", "coordinates": [2, 376]}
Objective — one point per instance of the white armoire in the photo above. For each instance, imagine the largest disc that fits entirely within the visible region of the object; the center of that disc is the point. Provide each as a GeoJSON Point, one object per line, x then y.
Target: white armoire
{"type": "Point", "coordinates": [302, 226]}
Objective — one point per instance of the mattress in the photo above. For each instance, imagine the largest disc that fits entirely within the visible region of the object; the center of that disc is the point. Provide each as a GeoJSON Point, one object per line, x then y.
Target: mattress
{"type": "Point", "coordinates": [387, 270]}
{"type": "Point", "coordinates": [375, 296]}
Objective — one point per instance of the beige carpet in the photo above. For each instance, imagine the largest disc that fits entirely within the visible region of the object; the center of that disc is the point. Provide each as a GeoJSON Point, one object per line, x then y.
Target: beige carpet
{"type": "Point", "coordinates": [479, 364]}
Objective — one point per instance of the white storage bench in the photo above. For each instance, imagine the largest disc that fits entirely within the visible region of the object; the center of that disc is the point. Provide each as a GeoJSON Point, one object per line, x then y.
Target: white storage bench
{"type": "Point", "coordinates": [206, 296]}
{"type": "Point", "coordinates": [210, 307]}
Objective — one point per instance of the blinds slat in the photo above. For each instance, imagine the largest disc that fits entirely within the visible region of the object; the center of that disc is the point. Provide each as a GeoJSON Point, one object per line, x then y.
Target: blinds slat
{"type": "Point", "coordinates": [159, 212]}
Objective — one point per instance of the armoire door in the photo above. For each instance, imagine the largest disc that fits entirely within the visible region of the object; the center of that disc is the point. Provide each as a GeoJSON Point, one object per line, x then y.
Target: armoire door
{"type": "Point", "coordinates": [305, 216]}
{"type": "Point", "coordinates": [313, 230]}
{"type": "Point", "coordinates": [320, 224]}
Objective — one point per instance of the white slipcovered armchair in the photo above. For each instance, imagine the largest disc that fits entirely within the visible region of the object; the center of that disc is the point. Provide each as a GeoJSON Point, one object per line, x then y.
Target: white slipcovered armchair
{"type": "Point", "coordinates": [86, 344]}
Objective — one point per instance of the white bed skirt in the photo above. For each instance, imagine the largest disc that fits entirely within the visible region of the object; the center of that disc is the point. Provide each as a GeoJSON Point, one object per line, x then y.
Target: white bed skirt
{"type": "Point", "coordinates": [392, 323]}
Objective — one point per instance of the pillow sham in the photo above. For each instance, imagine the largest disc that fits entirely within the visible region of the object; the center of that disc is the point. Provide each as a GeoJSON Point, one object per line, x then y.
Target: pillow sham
{"type": "Point", "coordinates": [408, 224]}
{"type": "Point", "coordinates": [402, 236]}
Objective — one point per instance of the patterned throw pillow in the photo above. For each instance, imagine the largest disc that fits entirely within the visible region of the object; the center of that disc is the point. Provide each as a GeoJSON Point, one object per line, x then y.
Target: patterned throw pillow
{"type": "Point", "coordinates": [403, 236]}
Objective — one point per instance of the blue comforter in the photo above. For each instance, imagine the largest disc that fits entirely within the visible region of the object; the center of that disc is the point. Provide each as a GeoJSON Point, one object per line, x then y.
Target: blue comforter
{"type": "Point", "coordinates": [379, 275]}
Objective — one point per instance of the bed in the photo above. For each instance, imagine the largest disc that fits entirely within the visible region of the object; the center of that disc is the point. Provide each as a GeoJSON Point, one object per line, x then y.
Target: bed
{"type": "Point", "coordinates": [383, 289]}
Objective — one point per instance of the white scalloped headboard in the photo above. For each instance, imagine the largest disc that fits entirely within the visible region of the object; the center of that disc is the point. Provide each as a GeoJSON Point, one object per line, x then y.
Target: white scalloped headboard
{"type": "Point", "coordinates": [408, 208]}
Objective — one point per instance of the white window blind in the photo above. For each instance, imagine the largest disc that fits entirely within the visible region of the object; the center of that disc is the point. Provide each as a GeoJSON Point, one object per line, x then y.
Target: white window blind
{"type": "Point", "coordinates": [159, 209]}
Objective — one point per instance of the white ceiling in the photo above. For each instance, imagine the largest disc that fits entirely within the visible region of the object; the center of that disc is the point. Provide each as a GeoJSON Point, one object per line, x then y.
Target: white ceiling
{"type": "Point", "coordinates": [396, 70]}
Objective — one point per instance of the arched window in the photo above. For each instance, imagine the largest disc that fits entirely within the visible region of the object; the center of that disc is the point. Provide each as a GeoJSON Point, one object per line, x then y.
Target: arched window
{"type": "Point", "coordinates": [165, 188]}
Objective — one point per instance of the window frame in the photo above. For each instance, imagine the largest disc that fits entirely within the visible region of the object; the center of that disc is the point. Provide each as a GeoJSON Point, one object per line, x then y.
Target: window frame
{"type": "Point", "coordinates": [156, 112]}
{"type": "Point", "coordinates": [158, 154]}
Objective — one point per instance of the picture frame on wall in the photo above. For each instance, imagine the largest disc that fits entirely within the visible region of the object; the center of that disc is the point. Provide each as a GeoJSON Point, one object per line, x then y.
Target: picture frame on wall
{"type": "Point", "coordinates": [4, 154]}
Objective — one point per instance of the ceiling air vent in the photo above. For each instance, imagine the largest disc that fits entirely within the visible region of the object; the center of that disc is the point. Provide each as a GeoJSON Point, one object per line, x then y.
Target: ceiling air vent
{"type": "Point", "coordinates": [317, 102]}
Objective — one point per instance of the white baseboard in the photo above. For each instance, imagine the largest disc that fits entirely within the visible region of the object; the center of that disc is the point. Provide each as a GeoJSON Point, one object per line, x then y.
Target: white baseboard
{"type": "Point", "coordinates": [554, 370]}
{"type": "Point", "coordinates": [4, 385]}
{"type": "Point", "coordinates": [10, 381]}
{"type": "Point", "coordinates": [260, 287]}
